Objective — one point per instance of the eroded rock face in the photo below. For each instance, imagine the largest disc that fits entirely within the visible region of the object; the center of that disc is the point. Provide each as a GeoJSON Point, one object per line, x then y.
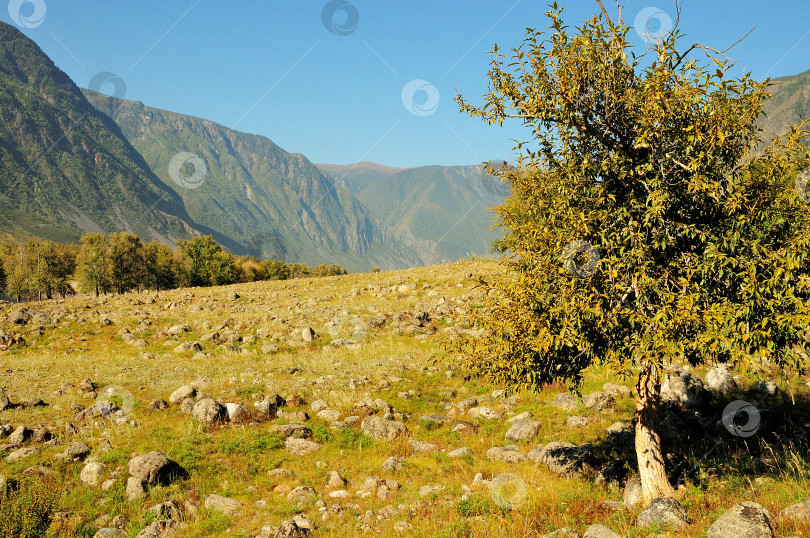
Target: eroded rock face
{"type": "Point", "coordinates": [744, 520]}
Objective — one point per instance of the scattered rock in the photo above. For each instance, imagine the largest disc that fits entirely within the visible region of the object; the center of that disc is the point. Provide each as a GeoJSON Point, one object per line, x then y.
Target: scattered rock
{"type": "Point", "coordinates": [135, 489]}
{"type": "Point", "coordinates": [617, 391]}
{"type": "Point", "coordinates": [155, 468]}
{"type": "Point", "coordinates": [796, 512]}
{"type": "Point", "coordinates": [237, 413]}
{"type": "Point", "coordinates": [633, 494]}
{"type": "Point", "coordinates": [663, 512]}
{"type": "Point", "coordinates": [565, 401]}
{"type": "Point", "coordinates": [720, 379]}
{"type": "Point", "coordinates": [508, 454]}
{"type": "Point", "coordinates": [209, 411]}
{"type": "Point", "coordinates": [92, 474]}
{"type": "Point", "coordinates": [186, 391]}
{"type": "Point", "coordinates": [19, 436]}
{"type": "Point", "coordinates": [686, 390]}
{"type": "Point", "coordinates": [392, 464]}
{"type": "Point", "coordinates": [744, 520]}
{"type": "Point", "coordinates": [568, 460]}
{"type": "Point", "coordinates": [459, 452]}
{"type": "Point", "coordinates": [159, 529]}
{"type": "Point", "coordinates": [301, 447]}
{"type": "Point", "coordinates": [599, 401]}
{"type": "Point", "coordinates": [157, 405]}
{"type": "Point", "coordinates": [484, 412]}
{"type": "Point", "coordinates": [302, 495]}
{"type": "Point", "coordinates": [522, 429]}
{"type": "Point", "coordinates": [222, 504]}
{"type": "Point", "coordinates": [77, 451]}
{"type": "Point", "coordinates": [381, 429]}
{"type": "Point", "coordinates": [22, 453]}
{"type": "Point", "coordinates": [599, 531]}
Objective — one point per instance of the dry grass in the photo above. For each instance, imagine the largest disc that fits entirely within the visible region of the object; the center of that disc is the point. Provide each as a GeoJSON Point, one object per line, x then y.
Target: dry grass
{"type": "Point", "coordinates": [234, 460]}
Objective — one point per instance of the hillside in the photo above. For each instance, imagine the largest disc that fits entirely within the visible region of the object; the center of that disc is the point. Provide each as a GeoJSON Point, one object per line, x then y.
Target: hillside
{"type": "Point", "coordinates": [442, 211]}
{"type": "Point", "coordinates": [790, 102]}
{"type": "Point", "coordinates": [345, 414]}
{"type": "Point", "coordinates": [265, 201]}
{"type": "Point", "coordinates": [65, 169]}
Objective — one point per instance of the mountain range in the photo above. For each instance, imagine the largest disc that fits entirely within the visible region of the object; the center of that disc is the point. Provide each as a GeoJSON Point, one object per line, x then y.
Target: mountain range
{"type": "Point", "coordinates": [74, 161]}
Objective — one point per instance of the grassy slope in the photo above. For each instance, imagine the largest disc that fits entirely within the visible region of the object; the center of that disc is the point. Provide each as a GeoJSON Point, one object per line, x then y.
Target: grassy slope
{"type": "Point", "coordinates": [234, 460]}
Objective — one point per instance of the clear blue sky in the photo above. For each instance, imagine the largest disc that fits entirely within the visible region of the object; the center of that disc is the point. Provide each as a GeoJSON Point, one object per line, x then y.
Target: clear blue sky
{"type": "Point", "coordinates": [273, 68]}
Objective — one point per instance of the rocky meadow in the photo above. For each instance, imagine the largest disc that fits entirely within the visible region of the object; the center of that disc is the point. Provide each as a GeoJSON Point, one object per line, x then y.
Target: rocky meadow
{"type": "Point", "coordinates": [331, 407]}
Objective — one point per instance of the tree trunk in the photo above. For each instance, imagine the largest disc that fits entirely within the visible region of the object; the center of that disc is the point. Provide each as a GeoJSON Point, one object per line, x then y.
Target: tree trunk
{"type": "Point", "coordinates": [654, 481]}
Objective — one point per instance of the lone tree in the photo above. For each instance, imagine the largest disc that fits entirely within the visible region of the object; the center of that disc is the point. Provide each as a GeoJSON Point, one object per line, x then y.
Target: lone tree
{"type": "Point", "coordinates": [644, 225]}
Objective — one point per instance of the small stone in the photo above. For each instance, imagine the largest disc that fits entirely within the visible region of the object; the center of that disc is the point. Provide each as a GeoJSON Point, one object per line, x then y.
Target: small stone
{"type": "Point", "coordinates": [209, 411]}
{"type": "Point", "coordinates": [157, 405]}
{"type": "Point", "coordinates": [459, 452]}
{"type": "Point", "coordinates": [484, 412]}
{"type": "Point", "coordinates": [135, 489]}
{"type": "Point", "coordinates": [22, 453]}
{"type": "Point", "coordinates": [92, 474]}
{"type": "Point", "coordinates": [508, 454]}
{"type": "Point", "coordinates": [237, 413]}
{"type": "Point", "coordinates": [522, 429]}
{"type": "Point", "coordinates": [796, 512]}
{"type": "Point", "coordinates": [720, 379]}
{"type": "Point", "coordinates": [633, 494]}
{"type": "Point", "coordinates": [663, 512]}
{"type": "Point", "coordinates": [392, 464]}
{"type": "Point", "coordinates": [599, 531]}
{"type": "Point", "coordinates": [565, 401]}
{"type": "Point", "coordinates": [302, 495]}
{"type": "Point", "coordinates": [222, 504]}
{"type": "Point", "coordinates": [301, 447]}
{"type": "Point", "coordinates": [186, 391]}
{"type": "Point", "coordinates": [77, 451]}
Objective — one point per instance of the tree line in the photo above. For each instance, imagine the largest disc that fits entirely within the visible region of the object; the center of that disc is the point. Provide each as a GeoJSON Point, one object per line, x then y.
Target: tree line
{"type": "Point", "coordinates": [121, 262]}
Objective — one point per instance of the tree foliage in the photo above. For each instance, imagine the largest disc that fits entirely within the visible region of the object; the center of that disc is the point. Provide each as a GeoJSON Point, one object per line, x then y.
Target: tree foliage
{"type": "Point", "coordinates": [642, 227]}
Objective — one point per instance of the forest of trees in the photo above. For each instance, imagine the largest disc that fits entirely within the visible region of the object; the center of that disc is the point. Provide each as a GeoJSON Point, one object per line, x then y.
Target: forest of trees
{"type": "Point", "coordinates": [121, 262]}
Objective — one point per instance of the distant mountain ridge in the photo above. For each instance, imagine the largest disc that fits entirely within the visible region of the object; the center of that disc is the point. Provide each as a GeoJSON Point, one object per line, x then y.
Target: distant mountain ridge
{"type": "Point", "coordinates": [443, 212]}
{"type": "Point", "coordinates": [263, 200]}
{"type": "Point", "coordinates": [66, 169]}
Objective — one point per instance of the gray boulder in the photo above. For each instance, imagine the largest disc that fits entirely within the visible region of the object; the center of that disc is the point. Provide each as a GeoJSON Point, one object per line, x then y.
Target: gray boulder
{"type": "Point", "coordinates": [522, 429]}
{"type": "Point", "coordinates": [744, 520]}
{"type": "Point", "coordinates": [155, 468]}
{"type": "Point", "coordinates": [686, 390]}
{"type": "Point", "coordinates": [565, 401]}
{"type": "Point", "coordinates": [209, 411]}
{"type": "Point", "coordinates": [720, 379]}
{"type": "Point", "coordinates": [381, 429]}
{"type": "Point", "coordinates": [663, 512]}
{"type": "Point", "coordinates": [599, 401]}
{"type": "Point", "coordinates": [796, 512]}
{"type": "Point", "coordinates": [222, 504]}
{"type": "Point", "coordinates": [569, 460]}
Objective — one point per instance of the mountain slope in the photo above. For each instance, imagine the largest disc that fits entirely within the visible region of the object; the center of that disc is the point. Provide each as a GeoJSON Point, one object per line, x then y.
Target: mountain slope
{"type": "Point", "coordinates": [790, 102]}
{"type": "Point", "coordinates": [65, 168]}
{"type": "Point", "coordinates": [442, 211]}
{"type": "Point", "coordinates": [268, 202]}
